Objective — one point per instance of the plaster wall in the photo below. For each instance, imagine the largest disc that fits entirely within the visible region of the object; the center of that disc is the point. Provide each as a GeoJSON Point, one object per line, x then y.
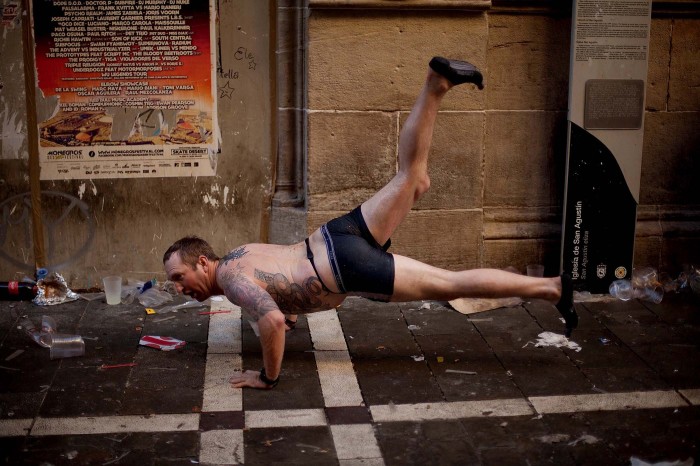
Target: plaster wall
{"type": "Point", "coordinates": [103, 227]}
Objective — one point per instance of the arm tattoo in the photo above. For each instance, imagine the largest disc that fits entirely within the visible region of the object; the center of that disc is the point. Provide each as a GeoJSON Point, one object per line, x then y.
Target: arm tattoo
{"type": "Point", "coordinates": [243, 292]}
{"type": "Point", "coordinates": [290, 297]}
{"type": "Point", "coordinates": [233, 255]}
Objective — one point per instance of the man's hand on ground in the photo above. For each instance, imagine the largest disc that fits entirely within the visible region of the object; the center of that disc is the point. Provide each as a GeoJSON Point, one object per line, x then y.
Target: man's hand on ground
{"type": "Point", "coordinates": [247, 379]}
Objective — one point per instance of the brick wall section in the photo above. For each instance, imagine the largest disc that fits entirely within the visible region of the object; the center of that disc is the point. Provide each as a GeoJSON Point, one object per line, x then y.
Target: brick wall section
{"type": "Point", "coordinates": [498, 156]}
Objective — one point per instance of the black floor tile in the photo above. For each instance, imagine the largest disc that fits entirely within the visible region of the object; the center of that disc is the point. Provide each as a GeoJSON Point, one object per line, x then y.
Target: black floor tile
{"type": "Point", "coordinates": [122, 449]}
{"type": "Point", "coordinates": [295, 446]}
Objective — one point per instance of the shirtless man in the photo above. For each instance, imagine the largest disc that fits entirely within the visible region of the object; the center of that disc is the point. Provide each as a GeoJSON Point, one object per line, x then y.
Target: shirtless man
{"type": "Point", "coordinates": [347, 256]}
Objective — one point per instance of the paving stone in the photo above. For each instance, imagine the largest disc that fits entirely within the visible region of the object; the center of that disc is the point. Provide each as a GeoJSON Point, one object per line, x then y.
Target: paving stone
{"type": "Point", "coordinates": [435, 319]}
{"type": "Point", "coordinates": [509, 329]}
{"type": "Point", "coordinates": [298, 446]}
{"type": "Point", "coordinates": [133, 448]}
{"type": "Point", "coordinates": [435, 442]}
{"type": "Point", "coordinates": [544, 371]}
{"type": "Point", "coordinates": [85, 392]}
{"type": "Point", "coordinates": [348, 415]}
{"type": "Point", "coordinates": [166, 381]}
{"type": "Point", "coordinates": [396, 380]}
{"type": "Point", "coordinates": [299, 386]}
{"type": "Point", "coordinates": [482, 385]}
{"type": "Point", "coordinates": [676, 364]}
{"type": "Point", "coordinates": [378, 337]}
{"type": "Point", "coordinates": [222, 420]}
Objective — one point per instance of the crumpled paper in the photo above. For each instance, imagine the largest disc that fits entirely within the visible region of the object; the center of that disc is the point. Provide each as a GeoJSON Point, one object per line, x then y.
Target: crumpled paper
{"type": "Point", "coordinates": [554, 339]}
{"type": "Point", "coordinates": [53, 290]}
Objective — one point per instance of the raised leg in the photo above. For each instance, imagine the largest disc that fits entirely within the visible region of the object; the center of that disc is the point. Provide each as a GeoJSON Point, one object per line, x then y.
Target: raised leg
{"type": "Point", "coordinates": [384, 211]}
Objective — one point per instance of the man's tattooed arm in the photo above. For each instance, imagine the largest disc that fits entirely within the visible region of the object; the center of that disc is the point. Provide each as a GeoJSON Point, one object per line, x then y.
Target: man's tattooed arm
{"type": "Point", "coordinates": [240, 290]}
{"type": "Point", "coordinates": [233, 255]}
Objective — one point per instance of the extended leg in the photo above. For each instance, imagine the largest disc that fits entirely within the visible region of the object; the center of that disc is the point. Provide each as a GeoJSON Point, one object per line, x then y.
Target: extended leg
{"type": "Point", "coordinates": [415, 280]}
{"type": "Point", "coordinates": [388, 207]}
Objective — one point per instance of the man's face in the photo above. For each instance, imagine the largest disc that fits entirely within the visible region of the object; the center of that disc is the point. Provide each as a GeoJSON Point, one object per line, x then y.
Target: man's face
{"type": "Point", "coordinates": [192, 282]}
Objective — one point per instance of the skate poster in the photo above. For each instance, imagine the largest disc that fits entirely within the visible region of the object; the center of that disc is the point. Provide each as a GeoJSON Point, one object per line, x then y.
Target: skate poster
{"type": "Point", "coordinates": [609, 60]}
{"type": "Point", "coordinates": [134, 86]}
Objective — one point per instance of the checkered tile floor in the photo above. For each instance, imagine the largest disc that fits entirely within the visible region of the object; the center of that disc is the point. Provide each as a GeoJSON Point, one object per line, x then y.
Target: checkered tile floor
{"type": "Point", "coordinates": [414, 383]}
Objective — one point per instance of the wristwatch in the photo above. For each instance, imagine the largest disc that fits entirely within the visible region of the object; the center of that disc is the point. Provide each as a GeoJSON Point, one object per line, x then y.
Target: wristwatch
{"type": "Point", "coordinates": [266, 381]}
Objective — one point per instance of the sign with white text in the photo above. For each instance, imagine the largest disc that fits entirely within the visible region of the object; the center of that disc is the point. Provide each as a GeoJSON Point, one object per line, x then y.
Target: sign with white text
{"type": "Point", "coordinates": [609, 59]}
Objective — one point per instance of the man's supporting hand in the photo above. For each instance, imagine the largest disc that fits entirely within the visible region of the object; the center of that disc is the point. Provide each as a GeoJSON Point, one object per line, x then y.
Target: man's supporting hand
{"type": "Point", "coordinates": [247, 379]}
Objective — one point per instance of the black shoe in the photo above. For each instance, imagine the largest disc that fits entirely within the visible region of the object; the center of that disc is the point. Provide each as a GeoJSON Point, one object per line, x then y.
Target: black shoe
{"type": "Point", "coordinates": [565, 306]}
{"type": "Point", "coordinates": [457, 72]}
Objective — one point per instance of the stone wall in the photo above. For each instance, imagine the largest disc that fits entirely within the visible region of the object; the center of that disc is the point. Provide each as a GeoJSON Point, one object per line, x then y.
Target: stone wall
{"type": "Point", "coordinates": [498, 156]}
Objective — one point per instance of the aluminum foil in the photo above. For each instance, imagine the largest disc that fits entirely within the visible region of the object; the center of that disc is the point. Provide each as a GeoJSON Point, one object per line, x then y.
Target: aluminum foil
{"type": "Point", "coordinates": [53, 290]}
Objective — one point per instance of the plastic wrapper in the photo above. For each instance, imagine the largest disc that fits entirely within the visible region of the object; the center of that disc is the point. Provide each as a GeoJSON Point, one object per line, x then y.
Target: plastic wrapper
{"type": "Point", "coordinates": [153, 297]}
{"type": "Point", "coordinates": [53, 290]}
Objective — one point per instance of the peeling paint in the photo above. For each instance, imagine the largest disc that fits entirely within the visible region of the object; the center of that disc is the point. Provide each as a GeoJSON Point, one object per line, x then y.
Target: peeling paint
{"type": "Point", "coordinates": [81, 190]}
{"type": "Point", "coordinates": [226, 196]}
{"type": "Point", "coordinates": [208, 199]}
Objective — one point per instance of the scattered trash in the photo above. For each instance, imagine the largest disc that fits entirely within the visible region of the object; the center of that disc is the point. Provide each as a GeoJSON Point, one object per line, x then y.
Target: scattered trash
{"type": "Point", "coordinates": [185, 305]}
{"type": "Point", "coordinates": [115, 366]}
{"type": "Point", "coordinates": [53, 290]}
{"type": "Point", "coordinates": [65, 346]}
{"type": "Point", "coordinates": [455, 371]}
{"type": "Point", "coordinates": [153, 297]}
{"type": "Point", "coordinates": [60, 345]}
{"type": "Point", "coordinates": [586, 439]}
{"type": "Point", "coordinates": [268, 443]}
{"type": "Point", "coordinates": [440, 359]}
{"type": "Point", "coordinates": [14, 355]}
{"type": "Point", "coordinates": [161, 343]}
{"type": "Point", "coordinates": [92, 296]}
{"type": "Point", "coordinates": [554, 438]}
{"type": "Point", "coordinates": [150, 310]}
{"type": "Point", "coordinates": [413, 327]}
{"type": "Point", "coordinates": [9, 368]}
{"type": "Point", "coordinates": [164, 319]}
{"type": "Point", "coordinates": [474, 305]}
{"type": "Point", "coordinates": [425, 306]}
{"type": "Point", "coordinates": [418, 358]}
{"type": "Point", "coordinates": [649, 285]}
{"type": "Point", "coordinates": [554, 339]}
{"type": "Point", "coordinates": [604, 341]}
{"type": "Point", "coordinates": [71, 455]}
{"type": "Point", "coordinates": [634, 461]}
{"type": "Point", "coordinates": [17, 291]}
{"type": "Point", "coordinates": [486, 319]}
{"type": "Point", "coordinates": [206, 313]}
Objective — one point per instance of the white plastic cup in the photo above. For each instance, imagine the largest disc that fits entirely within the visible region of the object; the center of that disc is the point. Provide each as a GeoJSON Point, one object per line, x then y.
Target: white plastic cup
{"type": "Point", "coordinates": [113, 289]}
{"type": "Point", "coordinates": [66, 346]}
{"type": "Point", "coordinates": [535, 270]}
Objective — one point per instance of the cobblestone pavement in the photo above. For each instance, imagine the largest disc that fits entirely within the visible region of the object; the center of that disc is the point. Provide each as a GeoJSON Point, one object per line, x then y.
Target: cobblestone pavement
{"type": "Point", "coordinates": [370, 383]}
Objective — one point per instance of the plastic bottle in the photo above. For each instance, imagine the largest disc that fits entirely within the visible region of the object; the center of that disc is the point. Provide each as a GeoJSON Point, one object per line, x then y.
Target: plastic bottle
{"type": "Point", "coordinates": [17, 291]}
{"type": "Point", "coordinates": [621, 289]}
